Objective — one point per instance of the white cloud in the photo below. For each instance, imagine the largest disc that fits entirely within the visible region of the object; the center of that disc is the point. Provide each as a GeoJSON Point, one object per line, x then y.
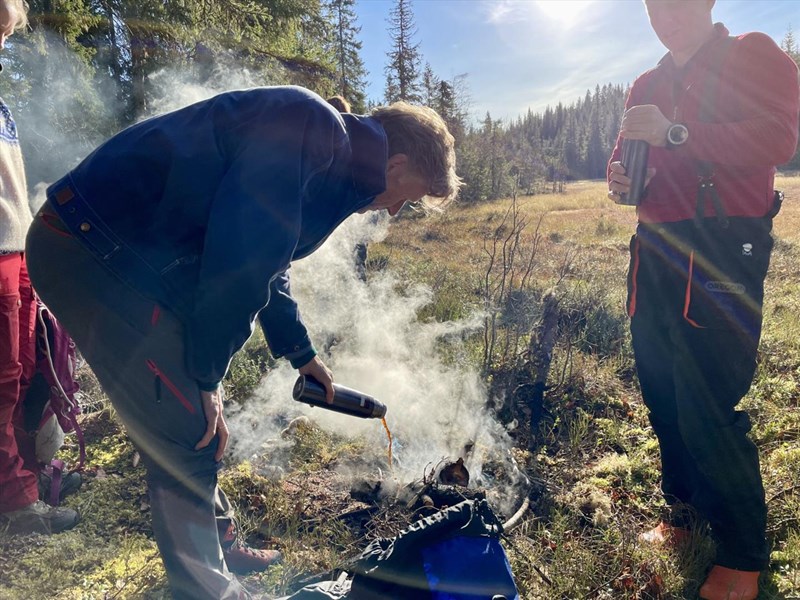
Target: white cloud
{"type": "Point", "coordinates": [501, 12]}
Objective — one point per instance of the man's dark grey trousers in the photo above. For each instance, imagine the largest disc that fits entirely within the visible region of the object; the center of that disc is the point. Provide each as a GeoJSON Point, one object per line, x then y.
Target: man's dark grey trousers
{"type": "Point", "coordinates": [136, 350]}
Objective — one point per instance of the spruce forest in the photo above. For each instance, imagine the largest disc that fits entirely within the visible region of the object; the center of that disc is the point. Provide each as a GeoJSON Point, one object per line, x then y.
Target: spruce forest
{"type": "Point", "coordinates": [502, 318]}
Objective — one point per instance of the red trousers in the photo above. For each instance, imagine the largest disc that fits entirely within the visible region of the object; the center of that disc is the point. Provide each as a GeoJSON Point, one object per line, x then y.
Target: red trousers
{"type": "Point", "coordinates": [18, 483]}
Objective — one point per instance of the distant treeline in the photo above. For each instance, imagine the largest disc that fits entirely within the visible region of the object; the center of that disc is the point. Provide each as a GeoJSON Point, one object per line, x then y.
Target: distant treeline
{"type": "Point", "coordinates": [88, 68]}
{"type": "Point", "coordinates": [537, 152]}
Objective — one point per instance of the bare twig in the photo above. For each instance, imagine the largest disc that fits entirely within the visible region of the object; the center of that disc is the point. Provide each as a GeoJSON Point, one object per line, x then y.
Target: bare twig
{"type": "Point", "coordinates": [516, 518]}
{"type": "Point", "coordinates": [784, 492]}
{"type": "Point", "coordinates": [535, 567]}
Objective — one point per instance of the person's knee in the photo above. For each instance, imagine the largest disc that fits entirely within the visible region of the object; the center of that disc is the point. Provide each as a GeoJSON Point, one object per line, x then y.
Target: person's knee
{"type": "Point", "coordinates": [715, 437]}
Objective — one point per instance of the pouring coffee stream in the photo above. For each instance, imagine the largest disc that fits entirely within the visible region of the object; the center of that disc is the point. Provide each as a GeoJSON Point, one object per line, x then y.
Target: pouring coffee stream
{"type": "Point", "coordinates": [389, 436]}
{"type": "Point", "coordinates": [345, 400]}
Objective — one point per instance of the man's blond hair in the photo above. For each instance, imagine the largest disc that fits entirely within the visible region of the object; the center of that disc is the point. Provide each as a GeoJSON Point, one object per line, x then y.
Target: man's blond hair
{"type": "Point", "coordinates": [20, 10]}
{"type": "Point", "coordinates": [421, 134]}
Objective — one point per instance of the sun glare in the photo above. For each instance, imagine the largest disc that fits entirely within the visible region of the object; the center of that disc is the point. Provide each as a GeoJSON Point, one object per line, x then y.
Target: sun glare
{"type": "Point", "coordinates": [566, 12]}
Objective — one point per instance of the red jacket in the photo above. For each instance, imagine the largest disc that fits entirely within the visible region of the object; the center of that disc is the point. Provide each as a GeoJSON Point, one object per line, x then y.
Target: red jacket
{"type": "Point", "coordinates": [754, 128]}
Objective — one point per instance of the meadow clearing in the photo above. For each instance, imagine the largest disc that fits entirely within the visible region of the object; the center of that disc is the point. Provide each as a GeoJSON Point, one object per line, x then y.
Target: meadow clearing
{"type": "Point", "coordinates": [590, 460]}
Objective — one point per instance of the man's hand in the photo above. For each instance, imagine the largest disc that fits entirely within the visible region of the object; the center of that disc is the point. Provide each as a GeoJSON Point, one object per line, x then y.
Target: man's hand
{"type": "Point", "coordinates": [619, 183]}
{"type": "Point", "coordinates": [645, 122]}
{"type": "Point", "coordinates": [317, 369]}
{"type": "Point", "coordinates": [212, 407]}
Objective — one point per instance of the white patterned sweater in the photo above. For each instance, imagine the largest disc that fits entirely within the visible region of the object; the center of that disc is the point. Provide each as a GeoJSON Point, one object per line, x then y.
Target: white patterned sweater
{"type": "Point", "coordinates": [15, 213]}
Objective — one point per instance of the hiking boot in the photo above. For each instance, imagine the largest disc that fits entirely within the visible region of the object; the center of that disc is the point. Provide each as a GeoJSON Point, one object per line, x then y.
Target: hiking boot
{"type": "Point", "coordinates": [70, 483]}
{"type": "Point", "coordinates": [723, 583]}
{"type": "Point", "coordinates": [39, 518]}
{"type": "Point", "coordinates": [666, 534]}
{"type": "Point", "coordinates": [241, 558]}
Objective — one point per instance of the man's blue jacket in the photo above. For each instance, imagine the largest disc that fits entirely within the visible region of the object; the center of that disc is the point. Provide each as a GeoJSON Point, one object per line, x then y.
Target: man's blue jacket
{"type": "Point", "coordinates": [203, 209]}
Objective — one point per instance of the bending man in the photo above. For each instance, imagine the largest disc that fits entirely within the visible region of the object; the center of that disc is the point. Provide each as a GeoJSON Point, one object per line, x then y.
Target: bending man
{"type": "Point", "coordinates": [163, 245]}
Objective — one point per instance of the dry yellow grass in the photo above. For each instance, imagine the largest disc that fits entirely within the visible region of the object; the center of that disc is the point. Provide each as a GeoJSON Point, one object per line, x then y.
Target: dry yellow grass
{"type": "Point", "coordinates": [583, 219]}
{"type": "Point", "coordinates": [580, 232]}
{"type": "Point", "coordinates": [581, 229]}
{"type": "Point", "coordinates": [787, 225]}
{"type": "Point", "coordinates": [447, 252]}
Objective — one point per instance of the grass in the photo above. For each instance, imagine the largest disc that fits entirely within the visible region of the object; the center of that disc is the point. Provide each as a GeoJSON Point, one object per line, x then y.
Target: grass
{"type": "Point", "coordinates": [594, 406]}
{"type": "Point", "coordinates": [592, 459]}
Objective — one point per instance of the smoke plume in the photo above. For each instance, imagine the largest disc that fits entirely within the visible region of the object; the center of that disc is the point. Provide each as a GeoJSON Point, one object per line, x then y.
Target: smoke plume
{"type": "Point", "coordinates": [371, 339]}
{"type": "Point", "coordinates": [367, 331]}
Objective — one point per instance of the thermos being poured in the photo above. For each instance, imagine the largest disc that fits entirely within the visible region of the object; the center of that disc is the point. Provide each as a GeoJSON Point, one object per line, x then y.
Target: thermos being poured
{"type": "Point", "coordinates": [345, 400]}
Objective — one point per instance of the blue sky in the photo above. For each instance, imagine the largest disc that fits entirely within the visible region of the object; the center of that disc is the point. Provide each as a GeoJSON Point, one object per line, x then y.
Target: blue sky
{"type": "Point", "coordinates": [531, 53]}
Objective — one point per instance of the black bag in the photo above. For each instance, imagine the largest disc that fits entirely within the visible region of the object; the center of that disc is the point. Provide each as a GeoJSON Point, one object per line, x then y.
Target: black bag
{"type": "Point", "coordinates": [326, 590]}
{"type": "Point", "coordinates": [454, 554]}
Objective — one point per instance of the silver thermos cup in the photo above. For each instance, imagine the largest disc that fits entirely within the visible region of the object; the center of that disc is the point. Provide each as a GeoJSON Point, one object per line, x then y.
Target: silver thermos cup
{"type": "Point", "coordinates": [634, 159]}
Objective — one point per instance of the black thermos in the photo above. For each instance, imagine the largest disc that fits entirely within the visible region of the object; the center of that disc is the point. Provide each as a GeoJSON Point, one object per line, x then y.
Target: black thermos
{"type": "Point", "coordinates": [345, 400]}
{"type": "Point", "coordinates": [634, 160]}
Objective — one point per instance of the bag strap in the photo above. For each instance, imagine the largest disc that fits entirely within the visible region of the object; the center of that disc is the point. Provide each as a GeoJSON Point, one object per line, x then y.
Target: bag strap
{"type": "Point", "coordinates": [56, 472]}
{"type": "Point", "coordinates": [706, 189]}
{"type": "Point", "coordinates": [69, 410]}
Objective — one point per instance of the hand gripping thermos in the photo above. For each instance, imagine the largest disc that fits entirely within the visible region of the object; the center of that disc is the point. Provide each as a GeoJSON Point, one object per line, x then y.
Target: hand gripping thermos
{"type": "Point", "coordinates": [634, 159]}
{"type": "Point", "coordinates": [345, 400]}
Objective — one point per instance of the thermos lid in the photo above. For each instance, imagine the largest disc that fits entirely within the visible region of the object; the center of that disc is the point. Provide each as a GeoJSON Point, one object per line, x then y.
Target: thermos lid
{"type": "Point", "coordinates": [299, 386]}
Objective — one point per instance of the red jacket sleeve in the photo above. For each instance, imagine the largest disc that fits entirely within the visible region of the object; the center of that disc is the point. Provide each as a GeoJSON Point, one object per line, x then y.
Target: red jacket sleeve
{"type": "Point", "coordinates": [765, 82]}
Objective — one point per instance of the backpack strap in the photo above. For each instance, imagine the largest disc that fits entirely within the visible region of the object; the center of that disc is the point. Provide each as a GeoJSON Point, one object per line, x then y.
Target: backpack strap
{"type": "Point", "coordinates": [66, 407]}
{"type": "Point", "coordinates": [56, 472]}
{"type": "Point", "coordinates": [706, 189]}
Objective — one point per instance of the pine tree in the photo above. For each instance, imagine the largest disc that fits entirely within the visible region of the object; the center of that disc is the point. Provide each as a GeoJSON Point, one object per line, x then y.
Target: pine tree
{"type": "Point", "coordinates": [789, 45]}
{"type": "Point", "coordinates": [430, 86]}
{"type": "Point", "coordinates": [350, 70]}
{"type": "Point", "coordinates": [402, 72]}
{"type": "Point", "coordinates": [462, 106]}
{"type": "Point", "coordinates": [392, 89]}
{"type": "Point", "coordinates": [445, 103]}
